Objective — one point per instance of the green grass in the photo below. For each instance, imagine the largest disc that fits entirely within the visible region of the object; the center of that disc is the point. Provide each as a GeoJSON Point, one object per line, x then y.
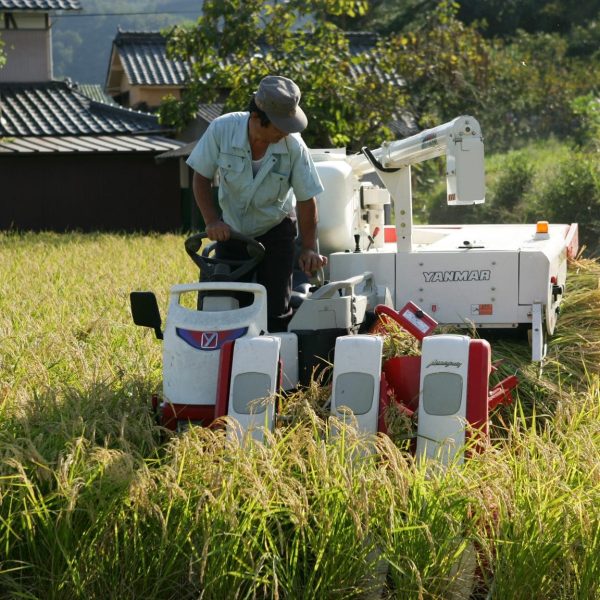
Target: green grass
{"type": "Point", "coordinates": [94, 505]}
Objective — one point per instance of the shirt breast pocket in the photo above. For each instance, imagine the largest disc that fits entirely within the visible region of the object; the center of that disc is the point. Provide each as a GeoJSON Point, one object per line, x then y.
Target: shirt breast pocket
{"type": "Point", "coordinates": [274, 189]}
{"type": "Point", "coordinates": [231, 167]}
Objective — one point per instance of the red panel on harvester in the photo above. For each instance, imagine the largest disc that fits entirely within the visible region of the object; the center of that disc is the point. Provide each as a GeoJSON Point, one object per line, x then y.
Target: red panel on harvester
{"type": "Point", "coordinates": [402, 374]}
{"type": "Point", "coordinates": [198, 414]}
{"type": "Point", "coordinates": [480, 367]}
{"type": "Point", "coordinates": [410, 317]}
{"type": "Point", "coordinates": [224, 379]}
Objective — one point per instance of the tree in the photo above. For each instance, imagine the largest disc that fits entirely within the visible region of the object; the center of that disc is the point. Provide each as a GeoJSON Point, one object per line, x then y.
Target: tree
{"type": "Point", "coordinates": [390, 17]}
{"type": "Point", "coordinates": [518, 88]}
{"type": "Point", "coordinates": [548, 16]}
{"type": "Point", "coordinates": [445, 64]}
{"type": "Point", "coordinates": [494, 18]}
{"type": "Point", "coordinates": [235, 43]}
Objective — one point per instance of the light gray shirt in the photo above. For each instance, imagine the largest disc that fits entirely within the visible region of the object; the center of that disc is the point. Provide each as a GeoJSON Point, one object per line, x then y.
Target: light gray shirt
{"type": "Point", "coordinates": [253, 204]}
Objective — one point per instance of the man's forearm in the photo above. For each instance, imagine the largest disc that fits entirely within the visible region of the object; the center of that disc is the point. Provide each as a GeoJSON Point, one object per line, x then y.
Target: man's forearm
{"type": "Point", "coordinates": [204, 199]}
{"type": "Point", "coordinates": [309, 260]}
{"type": "Point", "coordinates": [216, 229]}
{"type": "Point", "coordinates": [307, 223]}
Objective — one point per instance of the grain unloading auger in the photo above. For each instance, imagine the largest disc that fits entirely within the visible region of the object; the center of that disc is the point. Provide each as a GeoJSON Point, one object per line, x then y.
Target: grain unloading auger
{"type": "Point", "coordinates": [487, 276]}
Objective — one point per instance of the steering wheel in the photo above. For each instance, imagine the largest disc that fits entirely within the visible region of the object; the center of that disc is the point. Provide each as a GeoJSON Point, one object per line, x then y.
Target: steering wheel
{"type": "Point", "coordinates": [211, 266]}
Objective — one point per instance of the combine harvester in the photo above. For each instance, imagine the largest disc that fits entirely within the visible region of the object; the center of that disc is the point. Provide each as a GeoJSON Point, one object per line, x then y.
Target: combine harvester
{"type": "Point", "coordinates": [487, 276]}
{"type": "Point", "coordinates": [219, 359]}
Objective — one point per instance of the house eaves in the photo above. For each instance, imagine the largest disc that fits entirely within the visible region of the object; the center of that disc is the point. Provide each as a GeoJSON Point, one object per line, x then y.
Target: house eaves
{"type": "Point", "coordinates": [88, 144]}
{"type": "Point", "coordinates": [209, 112]}
{"type": "Point", "coordinates": [57, 117]}
{"type": "Point", "coordinates": [57, 109]}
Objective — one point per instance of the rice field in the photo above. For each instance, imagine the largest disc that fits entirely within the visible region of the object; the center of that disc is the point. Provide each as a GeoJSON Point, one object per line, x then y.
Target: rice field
{"type": "Point", "coordinates": [95, 503]}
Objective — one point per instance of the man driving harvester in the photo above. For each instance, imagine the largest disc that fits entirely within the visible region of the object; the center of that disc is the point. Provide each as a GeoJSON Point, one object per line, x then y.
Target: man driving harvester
{"type": "Point", "coordinates": [262, 163]}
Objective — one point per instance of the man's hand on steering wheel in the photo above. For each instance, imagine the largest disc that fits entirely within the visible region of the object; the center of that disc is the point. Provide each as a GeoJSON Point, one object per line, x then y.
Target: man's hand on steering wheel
{"type": "Point", "coordinates": [310, 261]}
{"type": "Point", "coordinates": [207, 263]}
{"type": "Point", "coordinates": [218, 231]}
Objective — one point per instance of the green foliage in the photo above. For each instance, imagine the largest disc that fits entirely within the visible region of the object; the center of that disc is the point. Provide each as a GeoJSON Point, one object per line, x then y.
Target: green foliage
{"type": "Point", "coordinates": [518, 89]}
{"type": "Point", "coordinates": [548, 181]}
{"type": "Point", "coordinates": [587, 111]}
{"type": "Point", "coordinates": [444, 63]}
{"type": "Point", "coordinates": [572, 194]}
{"type": "Point", "coordinates": [584, 40]}
{"type": "Point", "coordinates": [503, 19]}
{"type": "Point", "coordinates": [530, 90]}
{"type": "Point", "coordinates": [506, 195]}
{"type": "Point", "coordinates": [389, 17]}
{"type": "Point", "coordinates": [512, 186]}
{"type": "Point", "coordinates": [495, 19]}
{"type": "Point", "coordinates": [65, 45]}
{"type": "Point", "coordinates": [236, 43]}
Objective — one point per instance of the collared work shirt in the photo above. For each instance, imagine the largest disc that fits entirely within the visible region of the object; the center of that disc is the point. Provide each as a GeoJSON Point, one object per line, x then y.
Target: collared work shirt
{"type": "Point", "coordinates": [254, 204]}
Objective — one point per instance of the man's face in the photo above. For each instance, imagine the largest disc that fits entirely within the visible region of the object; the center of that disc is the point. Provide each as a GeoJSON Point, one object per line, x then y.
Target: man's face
{"type": "Point", "coordinates": [272, 134]}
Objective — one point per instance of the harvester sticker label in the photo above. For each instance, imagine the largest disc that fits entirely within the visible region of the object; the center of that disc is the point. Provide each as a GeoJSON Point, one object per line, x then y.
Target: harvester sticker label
{"type": "Point", "coordinates": [482, 309]}
{"type": "Point", "coordinates": [414, 320]}
{"type": "Point", "coordinates": [209, 340]}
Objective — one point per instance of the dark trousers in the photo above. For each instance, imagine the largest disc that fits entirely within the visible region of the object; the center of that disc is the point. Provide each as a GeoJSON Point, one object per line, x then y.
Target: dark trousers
{"type": "Point", "coordinates": [275, 270]}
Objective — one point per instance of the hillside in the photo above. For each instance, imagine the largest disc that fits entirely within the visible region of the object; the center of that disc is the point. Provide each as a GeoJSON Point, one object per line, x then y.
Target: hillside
{"type": "Point", "coordinates": [82, 41]}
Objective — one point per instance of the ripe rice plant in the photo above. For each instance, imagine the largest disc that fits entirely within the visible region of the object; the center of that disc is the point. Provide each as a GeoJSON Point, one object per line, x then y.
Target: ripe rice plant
{"type": "Point", "coordinates": [94, 503]}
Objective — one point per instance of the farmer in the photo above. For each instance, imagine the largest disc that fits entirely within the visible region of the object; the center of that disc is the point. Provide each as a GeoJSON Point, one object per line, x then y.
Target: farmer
{"type": "Point", "coordinates": [262, 163]}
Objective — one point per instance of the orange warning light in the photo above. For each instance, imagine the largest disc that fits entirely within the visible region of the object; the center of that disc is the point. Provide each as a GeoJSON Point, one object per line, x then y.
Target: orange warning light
{"type": "Point", "coordinates": [541, 227]}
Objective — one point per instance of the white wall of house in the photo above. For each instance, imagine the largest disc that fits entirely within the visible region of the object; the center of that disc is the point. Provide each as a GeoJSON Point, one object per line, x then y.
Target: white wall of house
{"type": "Point", "coordinates": [28, 47]}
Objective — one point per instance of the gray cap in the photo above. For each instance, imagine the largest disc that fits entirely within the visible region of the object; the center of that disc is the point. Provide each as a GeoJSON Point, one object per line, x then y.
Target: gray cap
{"type": "Point", "coordinates": [278, 97]}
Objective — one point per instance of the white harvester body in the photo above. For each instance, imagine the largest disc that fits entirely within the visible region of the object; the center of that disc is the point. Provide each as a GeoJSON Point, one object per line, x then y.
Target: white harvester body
{"type": "Point", "coordinates": [193, 340]}
{"type": "Point", "coordinates": [488, 275]}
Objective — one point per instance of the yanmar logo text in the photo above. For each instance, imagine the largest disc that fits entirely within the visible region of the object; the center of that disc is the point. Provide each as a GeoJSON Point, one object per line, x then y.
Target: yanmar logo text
{"type": "Point", "coordinates": [442, 276]}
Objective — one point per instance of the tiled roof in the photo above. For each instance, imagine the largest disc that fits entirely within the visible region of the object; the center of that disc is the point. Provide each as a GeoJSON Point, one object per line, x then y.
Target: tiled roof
{"type": "Point", "coordinates": [94, 91]}
{"type": "Point", "coordinates": [144, 57]}
{"type": "Point", "coordinates": [57, 109]}
{"type": "Point", "coordinates": [40, 5]}
{"type": "Point", "coordinates": [364, 43]}
{"type": "Point", "coordinates": [87, 144]}
{"type": "Point", "coordinates": [209, 112]}
{"type": "Point", "coordinates": [404, 125]}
